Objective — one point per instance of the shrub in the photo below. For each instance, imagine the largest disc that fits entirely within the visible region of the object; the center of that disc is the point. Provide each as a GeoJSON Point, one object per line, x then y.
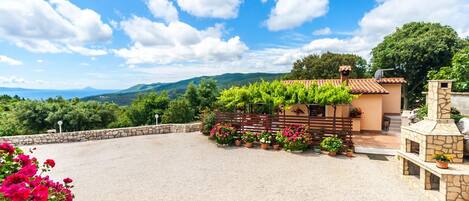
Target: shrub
{"type": "Point", "coordinates": [279, 138]}
{"type": "Point", "coordinates": [294, 138]}
{"type": "Point", "coordinates": [331, 144]}
{"type": "Point", "coordinates": [208, 121]}
{"type": "Point", "coordinates": [265, 137]}
{"type": "Point", "coordinates": [178, 111]}
{"type": "Point", "coordinates": [249, 137]}
{"type": "Point", "coordinates": [21, 180]}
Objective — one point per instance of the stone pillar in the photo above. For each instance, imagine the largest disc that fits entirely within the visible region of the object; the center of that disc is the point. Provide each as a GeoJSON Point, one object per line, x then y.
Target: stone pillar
{"type": "Point", "coordinates": [439, 99]}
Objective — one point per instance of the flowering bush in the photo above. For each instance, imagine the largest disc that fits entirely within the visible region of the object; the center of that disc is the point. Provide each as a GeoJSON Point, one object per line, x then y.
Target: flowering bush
{"type": "Point", "coordinates": [279, 138]}
{"type": "Point", "coordinates": [249, 137]}
{"type": "Point", "coordinates": [443, 157]}
{"type": "Point", "coordinates": [332, 144]}
{"type": "Point", "coordinates": [294, 138]}
{"type": "Point", "coordinates": [265, 137]}
{"type": "Point", "coordinates": [224, 133]}
{"type": "Point", "coordinates": [21, 181]}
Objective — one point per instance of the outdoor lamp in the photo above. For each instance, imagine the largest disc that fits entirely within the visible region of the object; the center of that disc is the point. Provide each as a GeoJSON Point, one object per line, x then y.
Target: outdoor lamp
{"type": "Point", "coordinates": [60, 125]}
{"type": "Point", "coordinates": [156, 118]}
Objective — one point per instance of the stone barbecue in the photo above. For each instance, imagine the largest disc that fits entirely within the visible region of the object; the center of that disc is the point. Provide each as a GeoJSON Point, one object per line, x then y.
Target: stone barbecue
{"type": "Point", "coordinates": [436, 134]}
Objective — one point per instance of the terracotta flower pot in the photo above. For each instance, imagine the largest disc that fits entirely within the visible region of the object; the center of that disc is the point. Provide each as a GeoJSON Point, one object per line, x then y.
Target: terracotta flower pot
{"type": "Point", "coordinates": [248, 144]}
{"type": "Point", "coordinates": [349, 153]}
{"type": "Point", "coordinates": [442, 165]}
{"type": "Point", "coordinates": [264, 146]}
{"type": "Point", "coordinates": [238, 143]}
{"type": "Point", "coordinates": [276, 147]}
{"type": "Point", "coordinates": [332, 153]}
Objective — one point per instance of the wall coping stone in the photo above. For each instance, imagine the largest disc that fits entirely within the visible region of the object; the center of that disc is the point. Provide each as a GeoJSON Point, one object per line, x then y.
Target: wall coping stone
{"type": "Point", "coordinates": [87, 135]}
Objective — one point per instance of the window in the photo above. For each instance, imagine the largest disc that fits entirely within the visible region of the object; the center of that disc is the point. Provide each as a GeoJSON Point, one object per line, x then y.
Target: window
{"type": "Point", "coordinates": [444, 85]}
{"type": "Point", "coordinates": [316, 110]}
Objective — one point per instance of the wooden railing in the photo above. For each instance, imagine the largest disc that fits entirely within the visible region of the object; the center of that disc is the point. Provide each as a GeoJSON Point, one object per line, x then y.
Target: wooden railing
{"type": "Point", "coordinates": [318, 127]}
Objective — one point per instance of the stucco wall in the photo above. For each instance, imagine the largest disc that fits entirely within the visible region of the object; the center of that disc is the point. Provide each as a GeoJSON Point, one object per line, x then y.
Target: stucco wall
{"type": "Point", "coordinates": [392, 101]}
{"type": "Point", "coordinates": [460, 100]}
{"type": "Point", "coordinates": [372, 111]}
{"type": "Point", "coordinates": [303, 107]}
{"type": "Point", "coordinates": [341, 111]}
{"type": "Point", "coordinates": [80, 136]}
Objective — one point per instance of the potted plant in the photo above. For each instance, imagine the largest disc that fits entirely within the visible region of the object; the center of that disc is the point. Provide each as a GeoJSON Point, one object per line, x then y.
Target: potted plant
{"type": "Point", "coordinates": [224, 134]}
{"type": "Point", "coordinates": [237, 139]}
{"type": "Point", "coordinates": [294, 138]}
{"type": "Point", "coordinates": [349, 152]}
{"type": "Point", "coordinates": [265, 140]}
{"type": "Point", "coordinates": [248, 138]}
{"type": "Point", "coordinates": [332, 145]}
{"type": "Point", "coordinates": [442, 160]}
{"type": "Point", "coordinates": [279, 139]}
{"type": "Point", "coordinates": [355, 112]}
{"type": "Point", "coordinates": [317, 149]}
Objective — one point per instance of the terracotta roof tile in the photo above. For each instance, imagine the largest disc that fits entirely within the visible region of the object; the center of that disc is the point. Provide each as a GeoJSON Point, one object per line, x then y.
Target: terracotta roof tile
{"type": "Point", "coordinates": [391, 80]}
{"type": "Point", "coordinates": [357, 86]}
{"type": "Point", "coordinates": [345, 68]}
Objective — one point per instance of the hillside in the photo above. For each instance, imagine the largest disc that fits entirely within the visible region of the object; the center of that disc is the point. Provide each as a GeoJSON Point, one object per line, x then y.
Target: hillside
{"type": "Point", "coordinates": [124, 97]}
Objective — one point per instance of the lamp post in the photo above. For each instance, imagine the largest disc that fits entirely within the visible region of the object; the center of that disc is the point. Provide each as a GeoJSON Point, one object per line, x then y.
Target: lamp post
{"type": "Point", "coordinates": [156, 118]}
{"type": "Point", "coordinates": [60, 126]}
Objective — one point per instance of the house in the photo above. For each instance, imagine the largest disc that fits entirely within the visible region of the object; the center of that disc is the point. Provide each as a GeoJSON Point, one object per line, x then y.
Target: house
{"type": "Point", "coordinates": [377, 97]}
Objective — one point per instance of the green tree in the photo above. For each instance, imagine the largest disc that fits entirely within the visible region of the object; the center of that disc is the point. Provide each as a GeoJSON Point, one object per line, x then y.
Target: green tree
{"type": "Point", "coordinates": [208, 93]}
{"type": "Point", "coordinates": [179, 111]}
{"type": "Point", "coordinates": [413, 50]}
{"type": "Point", "coordinates": [192, 97]}
{"type": "Point", "coordinates": [458, 71]}
{"type": "Point", "coordinates": [32, 116]}
{"type": "Point", "coordinates": [329, 94]}
{"type": "Point", "coordinates": [143, 109]}
{"type": "Point", "coordinates": [326, 66]}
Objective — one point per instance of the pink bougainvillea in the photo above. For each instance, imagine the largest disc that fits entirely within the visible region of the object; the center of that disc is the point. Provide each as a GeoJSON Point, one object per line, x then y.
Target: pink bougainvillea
{"type": "Point", "coordinates": [21, 179]}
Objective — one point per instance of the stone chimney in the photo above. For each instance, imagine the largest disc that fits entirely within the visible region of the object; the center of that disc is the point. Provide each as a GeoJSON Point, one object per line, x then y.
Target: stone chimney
{"type": "Point", "coordinates": [344, 73]}
{"type": "Point", "coordinates": [439, 100]}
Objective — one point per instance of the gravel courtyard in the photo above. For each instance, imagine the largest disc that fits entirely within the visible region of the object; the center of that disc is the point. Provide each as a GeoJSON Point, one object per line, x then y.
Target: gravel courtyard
{"type": "Point", "coordinates": [190, 167]}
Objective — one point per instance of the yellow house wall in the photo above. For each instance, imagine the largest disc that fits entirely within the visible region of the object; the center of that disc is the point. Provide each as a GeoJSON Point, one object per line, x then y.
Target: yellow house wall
{"type": "Point", "coordinates": [288, 111]}
{"type": "Point", "coordinates": [372, 111]}
{"type": "Point", "coordinates": [392, 101]}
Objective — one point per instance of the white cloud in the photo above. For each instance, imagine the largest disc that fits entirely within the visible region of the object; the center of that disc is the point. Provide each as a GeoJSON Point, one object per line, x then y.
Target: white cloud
{"type": "Point", "coordinates": [383, 20]}
{"type": "Point", "coordinates": [52, 26]}
{"type": "Point", "coordinates": [40, 61]}
{"type": "Point", "coordinates": [224, 9]}
{"type": "Point", "coordinates": [163, 9]}
{"type": "Point", "coordinates": [323, 31]}
{"type": "Point", "coordinates": [159, 43]}
{"type": "Point", "coordinates": [9, 61]}
{"type": "Point", "coordinates": [289, 14]}
{"type": "Point", "coordinates": [11, 80]}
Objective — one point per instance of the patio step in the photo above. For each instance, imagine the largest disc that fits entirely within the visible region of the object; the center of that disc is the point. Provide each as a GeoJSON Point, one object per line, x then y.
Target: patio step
{"type": "Point", "coordinates": [395, 124]}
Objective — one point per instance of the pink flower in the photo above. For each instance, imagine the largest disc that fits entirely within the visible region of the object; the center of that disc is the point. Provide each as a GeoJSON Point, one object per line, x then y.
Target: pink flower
{"type": "Point", "coordinates": [68, 180]}
{"type": "Point", "coordinates": [40, 193]}
{"type": "Point", "coordinates": [16, 192]}
{"type": "Point", "coordinates": [28, 170]}
{"type": "Point", "coordinates": [7, 147]}
{"type": "Point", "coordinates": [50, 163]}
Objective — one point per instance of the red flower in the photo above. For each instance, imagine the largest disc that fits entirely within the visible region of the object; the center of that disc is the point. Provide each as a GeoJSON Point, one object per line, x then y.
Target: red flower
{"type": "Point", "coordinates": [68, 180]}
{"type": "Point", "coordinates": [28, 170]}
{"type": "Point", "coordinates": [16, 192]}
{"type": "Point", "coordinates": [8, 148]}
{"type": "Point", "coordinates": [40, 193]}
{"type": "Point", "coordinates": [50, 163]}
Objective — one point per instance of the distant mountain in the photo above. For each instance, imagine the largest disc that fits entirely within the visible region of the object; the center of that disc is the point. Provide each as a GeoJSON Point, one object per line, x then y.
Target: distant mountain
{"type": "Point", "coordinates": [37, 94]}
{"type": "Point", "coordinates": [125, 97]}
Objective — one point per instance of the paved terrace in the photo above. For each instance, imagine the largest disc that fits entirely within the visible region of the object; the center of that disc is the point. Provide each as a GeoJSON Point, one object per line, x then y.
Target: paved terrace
{"type": "Point", "coordinates": [190, 167]}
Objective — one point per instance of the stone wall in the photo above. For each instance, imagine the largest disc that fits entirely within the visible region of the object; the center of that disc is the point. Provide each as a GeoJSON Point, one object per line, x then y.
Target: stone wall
{"type": "Point", "coordinates": [457, 187]}
{"type": "Point", "coordinates": [80, 136]}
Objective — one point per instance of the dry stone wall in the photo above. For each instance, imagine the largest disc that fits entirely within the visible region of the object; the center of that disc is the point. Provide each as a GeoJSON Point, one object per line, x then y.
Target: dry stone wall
{"type": "Point", "coordinates": [80, 136]}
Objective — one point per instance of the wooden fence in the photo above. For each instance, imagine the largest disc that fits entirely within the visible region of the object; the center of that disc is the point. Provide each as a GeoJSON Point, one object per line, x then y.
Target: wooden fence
{"type": "Point", "coordinates": [318, 127]}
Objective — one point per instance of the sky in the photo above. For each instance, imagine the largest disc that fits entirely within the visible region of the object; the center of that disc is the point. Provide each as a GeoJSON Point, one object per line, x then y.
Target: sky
{"type": "Point", "coordinates": [109, 44]}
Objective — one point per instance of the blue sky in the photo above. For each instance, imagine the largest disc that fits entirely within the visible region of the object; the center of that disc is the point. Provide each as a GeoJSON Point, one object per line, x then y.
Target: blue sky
{"type": "Point", "coordinates": [116, 44]}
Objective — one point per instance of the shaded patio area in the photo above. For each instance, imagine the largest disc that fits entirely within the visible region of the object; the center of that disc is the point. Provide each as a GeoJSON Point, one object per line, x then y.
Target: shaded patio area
{"type": "Point", "coordinates": [384, 140]}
